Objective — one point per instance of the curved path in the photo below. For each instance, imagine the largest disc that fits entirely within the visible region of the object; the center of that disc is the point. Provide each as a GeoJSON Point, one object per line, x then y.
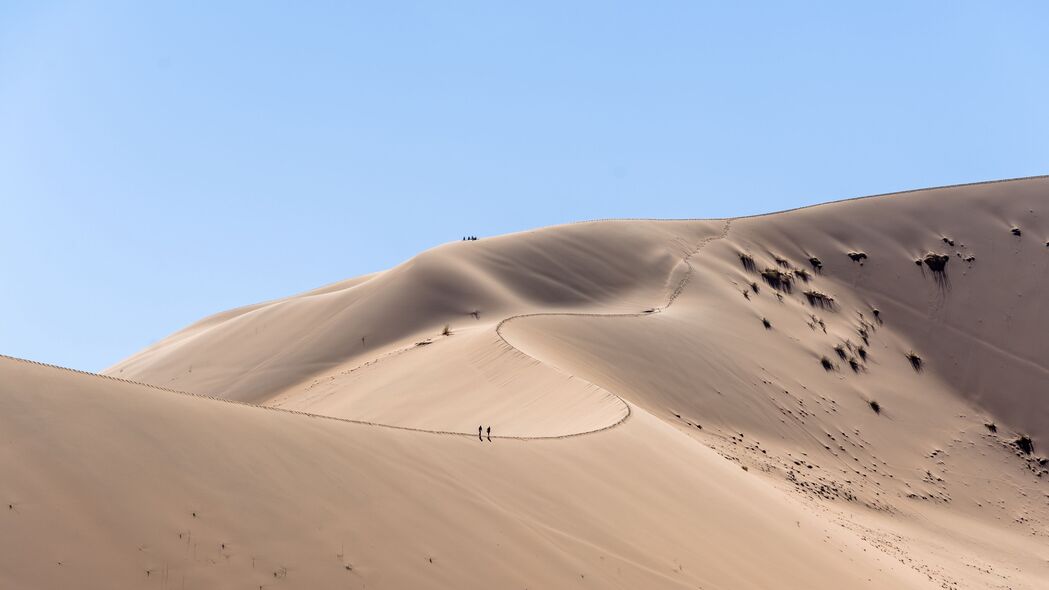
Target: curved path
{"type": "Point", "coordinates": [672, 296]}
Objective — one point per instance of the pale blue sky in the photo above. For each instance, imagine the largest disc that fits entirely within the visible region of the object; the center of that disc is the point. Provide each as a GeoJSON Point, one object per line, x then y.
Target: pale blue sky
{"type": "Point", "coordinates": [163, 161]}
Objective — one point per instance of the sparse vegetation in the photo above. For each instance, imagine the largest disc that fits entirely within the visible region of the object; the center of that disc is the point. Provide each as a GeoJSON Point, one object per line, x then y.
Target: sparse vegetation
{"type": "Point", "coordinates": [476, 314]}
{"type": "Point", "coordinates": [777, 279]}
{"type": "Point", "coordinates": [819, 299]}
{"type": "Point", "coordinates": [854, 364]}
{"type": "Point", "coordinates": [782, 261]}
{"type": "Point", "coordinates": [875, 406]}
{"type": "Point", "coordinates": [948, 241]}
{"type": "Point", "coordinates": [864, 334]}
{"type": "Point", "coordinates": [858, 256]}
{"type": "Point", "coordinates": [816, 263]}
{"type": "Point", "coordinates": [992, 427]}
{"type": "Point", "coordinates": [747, 261]}
{"type": "Point", "coordinates": [915, 360]}
{"type": "Point", "coordinates": [446, 331]}
{"type": "Point", "coordinates": [803, 274]}
{"type": "Point", "coordinates": [765, 322]}
{"type": "Point", "coordinates": [754, 287]}
{"type": "Point", "coordinates": [862, 352]}
{"type": "Point", "coordinates": [826, 364]}
{"type": "Point", "coordinates": [1016, 232]}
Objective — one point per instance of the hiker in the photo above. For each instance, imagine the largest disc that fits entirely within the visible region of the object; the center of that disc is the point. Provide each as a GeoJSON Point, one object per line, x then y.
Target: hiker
{"type": "Point", "coordinates": [479, 429]}
{"type": "Point", "coordinates": [489, 434]}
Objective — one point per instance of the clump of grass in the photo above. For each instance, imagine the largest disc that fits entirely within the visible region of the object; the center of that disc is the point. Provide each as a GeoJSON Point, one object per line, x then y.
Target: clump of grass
{"type": "Point", "coordinates": [826, 364]}
{"type": "Point", "coordinates": [777, 279]}
{"type": "Point", "coordinates": [476, 314]}
{"type": "Point", "coordinates": [816, 263]}
{"type": "Point", "coordinates": [858, 256]}
{"type": "Point", "coordinates": [877, 314]}
{"type": "Point", "coordinates": [1025, 444]}
{"type": "Point", "coordinates": [992, 427]}
{"type": "Point", "coordinates": [746, 294]}
{"type": "Point", "coordinates": [862, 352]}
{"type": "Point", "coordinates": [854, 364]}
{"type": "Point", "coordinates": [819, 299]}
{"type": "Point", "coordinates": [803, 274]}
{"type": "Point", "coordinates": [915, 360]}
{"type": "Point", "coordinates": [782, 261]}
{"type": "Point", "coordinates": [446, 331]}
{"type": "Point", "coordinates": [918, 261]}
{"type": "Point", "coordinates": [754, 287]}
{"type": "Point", "coordinates": [1016, 232]}
{"type": "Point", "coordinates": [948, 241]}
{"type": "Point", "coordinates": [748, 262]}
{"type": "Point", "coordinates": [875, 406]}
{"type": "Point", "coordinates": [864, 334]}
{"type": "Point", "coordinates": [765, 322]}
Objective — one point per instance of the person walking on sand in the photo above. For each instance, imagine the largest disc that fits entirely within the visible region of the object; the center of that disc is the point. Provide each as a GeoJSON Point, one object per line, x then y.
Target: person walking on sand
{"type": "Point", "coordinates": [489, 434]}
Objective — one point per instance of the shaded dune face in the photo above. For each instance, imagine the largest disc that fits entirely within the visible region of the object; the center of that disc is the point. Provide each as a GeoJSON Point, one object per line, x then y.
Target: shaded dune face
{"type": "Point", "coordinates": [671, 403]}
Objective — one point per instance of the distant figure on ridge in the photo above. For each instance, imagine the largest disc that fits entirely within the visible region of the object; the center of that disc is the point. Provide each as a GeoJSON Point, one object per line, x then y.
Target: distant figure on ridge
{"type": "Point", "coordinates": [489, 434]}
{"type": "Point", "coordinates": [479, 429]}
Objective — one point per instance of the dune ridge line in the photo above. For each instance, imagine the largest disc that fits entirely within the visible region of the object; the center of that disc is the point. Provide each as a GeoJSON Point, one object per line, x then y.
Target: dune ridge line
{"type": "Point", "coordinates": [670, 300]}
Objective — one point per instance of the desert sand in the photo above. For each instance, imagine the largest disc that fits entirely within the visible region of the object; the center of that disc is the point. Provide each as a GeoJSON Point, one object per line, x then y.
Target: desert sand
{"type": "Point", "coordinates": [850, 395]}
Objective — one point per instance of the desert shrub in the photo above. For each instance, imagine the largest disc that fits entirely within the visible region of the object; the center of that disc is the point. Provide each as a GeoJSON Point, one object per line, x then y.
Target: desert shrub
{"type": "Point", "coordinates": [446, 331]}
{"type": "Point", "coordinates": [875, 406]}
{"type": "Point", "coordinates": [826, 364]}
{"type": "Point", "coordinates": [948, 241]}
{"type": "Point", "coordinates": [840, 349]}
{"type": "Point", "coordinates": [854, 364]}
{"type": "Point", "coordinates": [915, 360]}
{"type": "Point", "coordinates": [992, 427]}
{"type": "Point", "coordinates": [857, 256]}
{"type": "Point", "coordinates": [803, 274]}
{"type": "Point", "coordinates": [936, 262]}
{"type": "Point", "coordinates": [1016, 232]}
{"type": "Point", "coordinates": [862, 352]}
{"type": "Point", "coordinates": [816, 263]}
{"type": "Point", "coordinates": [818, 299]}
{"type": "Point", "coordinates": [782, 261]}
{"type": "Point", "coordinates": [1025, 444]}
{"type": "Point", "coordinates": [747, 261]}
{"type": "Point", "coordinates": [777, 279]}
{"type": "Point", "coordinates": [754, 287]}
{"type": "Point", "coordinates": [765, 322]}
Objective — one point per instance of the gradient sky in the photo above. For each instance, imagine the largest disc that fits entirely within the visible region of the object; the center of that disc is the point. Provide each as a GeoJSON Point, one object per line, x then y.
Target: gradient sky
{"type": "Point", "coordinates": [163, 161]}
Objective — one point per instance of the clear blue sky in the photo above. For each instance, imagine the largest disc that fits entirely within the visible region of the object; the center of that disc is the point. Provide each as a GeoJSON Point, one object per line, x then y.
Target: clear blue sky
{"type": "Point", "coordinates": [163, 161]}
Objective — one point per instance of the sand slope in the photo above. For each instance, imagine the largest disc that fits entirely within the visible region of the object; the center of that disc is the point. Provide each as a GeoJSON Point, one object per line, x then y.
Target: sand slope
{"type": "Point", "coordinates": [649, 430]}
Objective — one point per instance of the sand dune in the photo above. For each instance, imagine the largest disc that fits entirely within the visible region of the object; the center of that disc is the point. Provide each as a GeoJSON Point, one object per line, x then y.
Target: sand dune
{"type": "Point", "coordinates": [796, 400]}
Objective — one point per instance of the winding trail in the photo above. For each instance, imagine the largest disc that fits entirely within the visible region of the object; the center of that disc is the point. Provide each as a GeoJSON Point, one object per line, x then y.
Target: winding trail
{"type": "Point", "coordinates": [671, 297]}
